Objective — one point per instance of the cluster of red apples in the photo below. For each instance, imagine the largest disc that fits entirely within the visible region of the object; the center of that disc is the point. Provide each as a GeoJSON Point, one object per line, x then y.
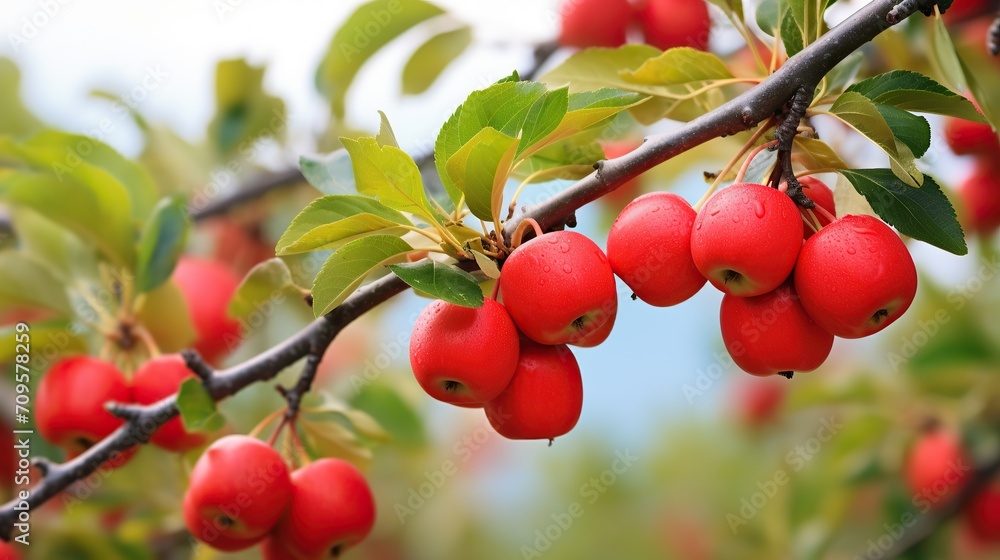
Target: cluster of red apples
{"type": "Point", "coordinates": [979, 193]}
{"type": "Point", "coordinates": [73, 392]}
{"type": "Point", "coordinates": [788, 288]}
{"type": "Point", "coordinates": [241, 494]}
{"type": "Point", "coordinates": [937, 468]}
{"type": "Point", "coordinates": [557, 290]}
{"type": "Point", "coordinates": [665, 24]}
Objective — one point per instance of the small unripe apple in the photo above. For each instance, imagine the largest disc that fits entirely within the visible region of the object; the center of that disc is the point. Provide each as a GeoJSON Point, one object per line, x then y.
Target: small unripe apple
{"type": "Point", "coordinates": [71, 399]}
{"type": "Point", "coordinates": [746, 239]}
{"type": "Point", "coordinates": [649, 248]}
{"type": "Point", "coordinates": [818, 192]}
{"type": "Point", "coordinates": [559, 288]}
{"type": "Point", "coordinates": [937, 467]}
{"type": "Point", "coordinates": [675, 23]}
{"type": "Point", "coordinates": [208, 287]}
{"type": "Point", "coordinates": [238, 490]}
{"type": "Point", "coordinates": [545, 397]}
{"type": "Point", "coordinates": [855, 277]}
{"type": "Point", "coordinates": [158, 379]}
{"type": "Point", "coordinates": [772, 333]}
{"type": "Point", "coordinates": [332, 509]}
{"type": "Point", "coordinates": [462, 355]}
{"type": "Point", "coordinates": [979, 195]}
{"type": "Point", "coordinates": [594, 23]}
{"type": "Point", "coordinates": [982, 516]}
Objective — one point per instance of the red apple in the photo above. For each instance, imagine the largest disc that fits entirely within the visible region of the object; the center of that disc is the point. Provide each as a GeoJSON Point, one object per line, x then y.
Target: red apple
{"type": "Point", "coordinates": [979, 195]}
{"type": "Point", "coordinates": [158, 379]}
{"type": "Point", "coordinates": [855, 277]}
{"type": "Point", "coordinates": [649, 247]}
{"type": "Point", "coordinates": [746, 239]}
{"type": "Point", "coordinates": [462, 355]}
{"type": "Point", "coordinates": [559, 288]}
{"type": "Point", "coordinates": [70, 402]}
{"type": "Point", "coordinates": [238, 490]}
{"type": "Point", "coordinates": [968, 137]}
{"type": "Point", "coordinates": [756, 401]}
{"type": "Point", "coordinates": [982, 516]}
{"type": "Point", "coordinates": [937, 467]}
{"type": "Point", "coordinates": [594, 23]}
{"type": "Point", "coordinates": [208, 287]}
{"type": "Point", "coordinates": [675, 23]}
{"type": "Point", "coordinates": [772, 333]}
{"type": "Point", "coordinates": [545, 397]}
{"type": "Point", "coordinates": [332, 509]}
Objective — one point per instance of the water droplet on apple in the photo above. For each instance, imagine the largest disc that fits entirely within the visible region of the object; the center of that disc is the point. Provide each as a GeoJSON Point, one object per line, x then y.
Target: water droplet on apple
{"type": "Point", "coordinates": [564, 247]}
{"type": "Point", "coordinates": [736, 218]}
{"type": "Point", "coordinates": [758, 208]}
{"type": "Point", "coordinates": [546, 268]}
{"type": "Point", "coordinates": [851, 250]}
{"type": "Point", "coordinates": [553, 240]}
{"type": "Point", "coordinates": [567, 269]}
{"type": "Point", "coordinates": [714, 212]}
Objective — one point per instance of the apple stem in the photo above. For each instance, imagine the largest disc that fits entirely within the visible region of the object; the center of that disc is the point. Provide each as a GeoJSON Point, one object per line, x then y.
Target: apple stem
{"type": "Point", "coordinates": [825, 213]}
{"type": "Point", "coordinates": [732, 163]}
{"type": "Point", "coordinates": [518, 235]}
{"type": "Point", "coordinates": [810, 219]}
{"type": "Point", "coordinates": [496, 290]}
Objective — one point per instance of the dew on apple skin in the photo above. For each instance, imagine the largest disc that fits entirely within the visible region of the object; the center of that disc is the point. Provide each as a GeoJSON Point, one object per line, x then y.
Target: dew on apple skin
{"type": "Point", "coordinates": [851, 250]}
{"type": "Point", "coordinates": [736, 218]}
{"type": "Point", "coordinates": [758, 208]}
{"type": "Point", "coordinates": [714, 212]}
{"type": "Point", "coordinates": [546, 268]}
{"type": "Point", "coordinates": [567, 269]}
{"type": "Point", "coordinates": [553, 240]}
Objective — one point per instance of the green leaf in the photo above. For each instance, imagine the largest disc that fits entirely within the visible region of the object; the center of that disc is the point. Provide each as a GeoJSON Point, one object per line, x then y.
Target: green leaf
{"type": "Point", "coordinates": [347, 268]}
{"type": "Point", "coordinates": [679, 66]}
{"type": "Point", "coordinates": [336, 219]}
{"type": "Point", "coordinates": [944, 57]}
{"type": "Point", "coordinates": [53, 245]}
{"type": "Point", "coordinates": [15, 120]}
{"type": "Point", "coordinates": [87, 160]}
{"type": "Point", "coordinates": [587, 109]}
{"type": "Point", "coordinates": [24, 282]}
{"type": "Point", "coordinates": [861, 114]}
{"type": "Point", "coordinates": [814, 153]}
{"type": "Point", "coordinates": [791, 34]}
{"type": "Point", "coordinates": [431, 58]}
{"type": "Point", "coordinates": [244, 111]}
{"type": "Point", "coordinates": [369, 28]}
{"type": "Point", "coordinates": [385, 136]}
{"type": "Point", "coordinates": [597, 68]}
{"type": "Point", "coordinates": [330, 174]}
{"type": "Point", "coordinates": [333, 439]}
{"type": "Point", "coordinates": [387, 406]}
{"type": "Point", "coordinates": [167, 317]}
{"type": "Point", "coordinates": [543, 117]}
{"type": "Point", "coordinates": [441, 281]}
{"type": "Point", "coordinates": [487, 264]}
{"type": "Point", "coordinates": [161, 244]}
{"type": "Point", "coordinates": [390, 175]}
{"type": "Point", "coordinates": [911, 91]}
{"type": "Point", "coordinates": [502, 106]}
{"type": "Point", "coordinates": [923, 213]}
{"type": "Point", "coordinates": [912, 130]}
{"type": "Point", "coordinates": [734, 7]}
{"type": "Point", "coordinates": [843, 74]}
{"type": "Point", "coordinates": [360, 421]}
{"type": "Point", "coordinates": [808, 16]}
{"type": "Point", "coordinates": [99, 212]}
{"type": "Point", "coordinates": [270, 281]}
{"type": "Point", "coordinates": [480, 170]}
{"type": "Point", "coordinates": [768, 16]}
{"type": "Point", "coordinates": [197, 408]}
